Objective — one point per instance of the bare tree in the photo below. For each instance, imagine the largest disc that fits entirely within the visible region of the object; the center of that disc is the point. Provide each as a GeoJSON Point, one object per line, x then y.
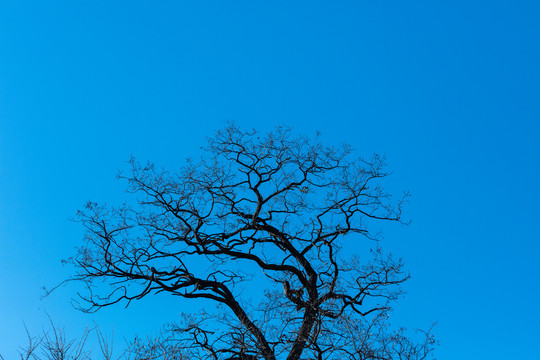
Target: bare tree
{"type": "Point", "coordinates": [54, 345]}
{"type": "Point", "coordinates": [285, 209]}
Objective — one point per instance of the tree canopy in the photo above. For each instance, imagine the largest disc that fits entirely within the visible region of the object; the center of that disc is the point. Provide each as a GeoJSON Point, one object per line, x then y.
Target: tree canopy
{"type": "Point", "coordinates": [268, 217]}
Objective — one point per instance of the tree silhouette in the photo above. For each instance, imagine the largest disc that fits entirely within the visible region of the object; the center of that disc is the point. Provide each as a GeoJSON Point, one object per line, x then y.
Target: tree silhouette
{"type": "Point", "coordinates": [276, 210]}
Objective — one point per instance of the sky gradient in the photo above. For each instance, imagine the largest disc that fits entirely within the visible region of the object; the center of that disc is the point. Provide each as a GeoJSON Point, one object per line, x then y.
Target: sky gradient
{"type": "Point", "coordinates": [449, 91]}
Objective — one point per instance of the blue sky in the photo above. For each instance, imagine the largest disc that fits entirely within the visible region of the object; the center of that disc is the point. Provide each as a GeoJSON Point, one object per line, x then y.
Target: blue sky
{"type": "Point", "coordinates": [449, 91]}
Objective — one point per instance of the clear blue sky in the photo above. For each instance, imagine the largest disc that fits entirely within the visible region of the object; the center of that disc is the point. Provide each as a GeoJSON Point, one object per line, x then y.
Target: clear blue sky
{"type": "Point", "coordinates": [448, 90]}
